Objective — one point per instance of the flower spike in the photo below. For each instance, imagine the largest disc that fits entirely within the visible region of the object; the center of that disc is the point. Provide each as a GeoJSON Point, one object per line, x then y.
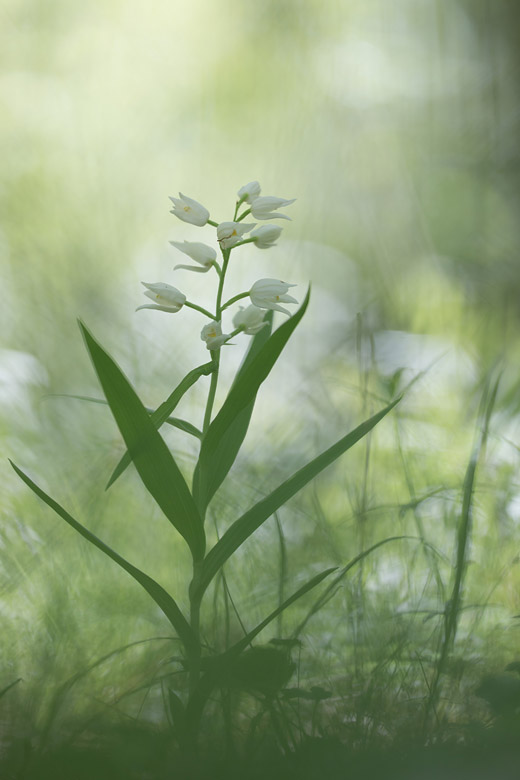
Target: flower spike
{"type": "Point", "coordinates": [249, 320]}
{"type": "Point", "coordinates": [166, 297]}
{"type": "Point", "coordinates": [249, 192]}
{"type": "Point", "coordinates": [230, 233]}
{"type": "Point", "coordinates": [265, 236]}
{"type": "Point", "coordinates": [265, 207]}
{"type": "Point", "coordinates": [213, 336]}
{"type": "Point", "coordinates": [201, 253]}
{"type": "Point", "coordinates": [189, 210]}
{"type": "Point", "coordinates": [269, 293]}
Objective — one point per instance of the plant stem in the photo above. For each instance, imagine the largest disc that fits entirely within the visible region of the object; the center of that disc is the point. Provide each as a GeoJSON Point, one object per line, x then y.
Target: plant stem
{"type": "Point", "coordinates": [216, 354]}
{"type": "Point", "coordinates": [195, 306]}
{"type": "Point", "coordinates": [454, 606]}
{"type": "Point", "coordinates": [234, 299]}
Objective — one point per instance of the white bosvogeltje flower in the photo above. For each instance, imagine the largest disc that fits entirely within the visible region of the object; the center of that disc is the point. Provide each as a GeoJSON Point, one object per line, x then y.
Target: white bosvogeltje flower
{"type": "Point", "coordinates": [249, 192]}
{"type": "Point", "coordinates": [201, 253]}
{"type": "Point", "coordinates": [189, 210]}
{"type": "Point", "coordinates": [251, 319]}
{"type": "Point", "coordinates": [269, 293]}
{"type": "Point", "coordinates": [213, 336]}
{"type": "Point", "coordinates": [230, 233]}
{"type": "Point", "coordinates": [265, 207]}
{"type": "Point", "coordinates": [266, 235]}
{"type": "Point", "coordinates": [166, 297]}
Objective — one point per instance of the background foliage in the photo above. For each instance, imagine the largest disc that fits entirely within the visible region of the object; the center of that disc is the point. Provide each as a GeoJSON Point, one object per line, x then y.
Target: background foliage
{"type": "Point", "coordinates": [396, 127]}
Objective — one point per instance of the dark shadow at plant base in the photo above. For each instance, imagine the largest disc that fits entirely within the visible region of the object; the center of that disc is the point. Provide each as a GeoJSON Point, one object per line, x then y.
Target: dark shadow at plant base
{"type": "Point", "coordinates": [137, 752]}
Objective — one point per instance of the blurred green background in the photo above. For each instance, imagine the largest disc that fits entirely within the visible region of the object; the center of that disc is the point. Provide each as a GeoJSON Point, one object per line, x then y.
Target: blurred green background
{"type": "Point", "coordinates": [395, 124]}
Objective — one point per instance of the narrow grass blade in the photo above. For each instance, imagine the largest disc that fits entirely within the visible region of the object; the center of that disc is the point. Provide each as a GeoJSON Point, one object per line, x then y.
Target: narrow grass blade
{"type": "Point", "coordinates": [246, 640]}
{"type": "Point", "coordinates": [65, 688]}
{"type": "Point", "coordinates": [161, 597]}
{"type": "Point", "coordinates": [226, 433]}
{"type": "Point", "coordinates": [254, 517]}
{"type": "Point", "coordinates": [216, 664]}
{"type": "Point", "coordinates": [175, 422]}
{"type": "Point", "coordinates": [454, 606]}
{"type": "Point", "coordinates": [162, 414]}
{"type": "Point", "coordinates": [8, 687]}
{"type": "Point", "coordinates": [331, 587]}
{"type": "Point", "coordinates": [152, 458]}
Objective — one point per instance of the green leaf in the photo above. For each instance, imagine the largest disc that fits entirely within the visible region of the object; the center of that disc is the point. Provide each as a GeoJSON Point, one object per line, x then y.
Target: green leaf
{"type": "Point", "coordinates": [152, 458]}
{"type": "Point", "coordinates": [246, 640]}
{"type": "Point", "coordinates": [162, 415]}
{"type": "Point", "coordinates": [178, 715]}
{"type": "Point", "coordinates": [161, 597]}
{"type": "Point", "coordinates": [226, 433]}
{"type": "Point", "coordinates": [8, 687]}
{"type": "Point", "coordinates": [215, 665]}
{"type": "Point", "coordinates": [332, 586]}
{"type": "Point", "coordinates": [175, 422]}
{"type": "Point", "coordinates": [254, 517]}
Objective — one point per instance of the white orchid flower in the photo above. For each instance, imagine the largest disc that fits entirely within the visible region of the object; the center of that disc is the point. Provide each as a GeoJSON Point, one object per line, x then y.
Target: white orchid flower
{"type": "Point", "coordinates": [230, 233]}
{"type": "Point", "coordinates": [201, 253]}
{"type": "Point", "coordinates": [249, 192]}
{"type": "Point", "coordinates": [250, 320]}
{"type": "Point", "coordinates": [166, 297]}
{"type": "Point", "coordinates": [213, 336]}
{"type": "Point", "coordinates": [189, 210]}
{"type": "Point", "coordinates": [266, 235]}
{"type": "Point", "coordinates": [265, 207]}
{"type": "Point", "coordinates": [269, 293]}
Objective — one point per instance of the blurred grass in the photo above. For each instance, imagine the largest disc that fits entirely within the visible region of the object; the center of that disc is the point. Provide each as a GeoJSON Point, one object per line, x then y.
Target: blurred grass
{"type": "Point", "coordinates": [396, 127]}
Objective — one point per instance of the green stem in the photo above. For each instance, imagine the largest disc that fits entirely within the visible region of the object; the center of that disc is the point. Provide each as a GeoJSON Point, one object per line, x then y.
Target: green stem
{"type": "Point", "coordinates": [195, 626]}
{"type": "Point", "coordinates": [234, 299]}
{"type": "Point", "coordinates": [226, 255]}
{"type": "Point", "coordinates": [243, 216]}
{"type": "Point", "coordinates": [239, 203]}
{"type": "Point", "coordinates": [216, 355]}
{"type": "Point", "coordinates": [211, 222]}
{"type": "Point", "coordinates": [245, 241]}
{"type": "Point", "coordinates": [199, 308]}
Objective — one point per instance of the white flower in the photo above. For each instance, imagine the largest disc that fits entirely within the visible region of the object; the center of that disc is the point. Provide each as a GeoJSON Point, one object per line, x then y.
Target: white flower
{"type": "Point", "coordinates": [166, 297]}
{"type": "Point", "coordinates": [249, 192]}
{"type": "Point", "coordinates": [213, 336]}
{"type": "Point", "coordinates": [230, 233]}
{"type": "Point", "coordinates": [251, 320]}
{"type": "Point", "coordinates": [189, 210]}
{"type": "Point", "coordinates": [265, 207]}
{"type": "Point", "coordinates": [268, 293]}
{"type": "Point", "coordinates": [201, 253]}
{"type": "Point", "coordinates": [266, 235]}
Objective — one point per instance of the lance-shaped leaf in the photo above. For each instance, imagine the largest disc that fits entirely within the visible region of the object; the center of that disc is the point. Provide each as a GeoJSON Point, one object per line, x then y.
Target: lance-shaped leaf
{"type": "Point", "coordinates": [217, 663]}
{"type": "Point", "coordinates": [236, 432]}
{"type": "Point", "coordinates": [254, 517]}
{"type": "Point", "coordinates": [162, 413]}
{"type": "Point", "coordinates": [152, 458]}
{"type": "Point", "coordinates": [225, 435]}
{"type": "Point", "coordinates": [332, 587]}
{"type": "Point", "coordinates": [8, 687]}
{"type": "Point", "coordinates": [175, 422]}
{"type": "Point", "coordinates": [161, 597]}
{"type": "Point", "coordinates": [246, 640]}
